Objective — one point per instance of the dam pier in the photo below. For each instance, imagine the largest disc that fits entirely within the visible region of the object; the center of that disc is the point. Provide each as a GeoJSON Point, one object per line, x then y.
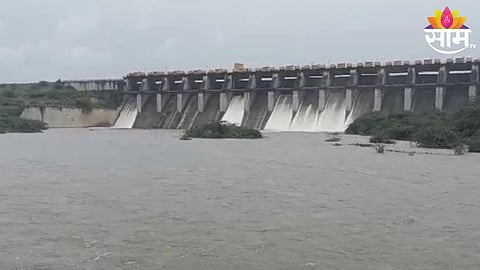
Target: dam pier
{"type": "Point", "coordinates": [307, 98]}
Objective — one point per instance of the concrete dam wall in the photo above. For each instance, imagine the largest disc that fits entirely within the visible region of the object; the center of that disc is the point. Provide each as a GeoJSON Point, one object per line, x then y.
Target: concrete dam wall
{"type": "Point", "coordinates": [66, 117]}
{"type": "Point", "coordinates": [294, 98]}
{"type": "Point", "coordinates": [313, 98]}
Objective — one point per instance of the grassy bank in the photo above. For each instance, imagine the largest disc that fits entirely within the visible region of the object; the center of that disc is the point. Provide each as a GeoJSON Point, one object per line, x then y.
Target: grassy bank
{"type": "Point", "coordinates": [15, 124]}
{"type": "Point", "coordinates": [430, 130]}
{"type": "Point", "coordinates": [222, 130]}
{"type": "Point", "coordinates": [15, 97]}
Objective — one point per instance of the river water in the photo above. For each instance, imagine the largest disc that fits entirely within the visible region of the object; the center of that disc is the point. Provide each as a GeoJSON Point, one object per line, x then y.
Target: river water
{"type": "Point", "coordinates": [120, 199]}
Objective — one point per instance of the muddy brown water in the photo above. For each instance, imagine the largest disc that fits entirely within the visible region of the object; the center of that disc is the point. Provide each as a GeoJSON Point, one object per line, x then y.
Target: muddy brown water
{"type": "Point", "coordinates": [103, 199]}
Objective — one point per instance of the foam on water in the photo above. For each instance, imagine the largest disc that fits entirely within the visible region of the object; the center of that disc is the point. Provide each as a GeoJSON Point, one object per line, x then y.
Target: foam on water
{"type": "Point", "coordinates": [235, 111]}
{"type": "Point", "coordinates": [127, 116]}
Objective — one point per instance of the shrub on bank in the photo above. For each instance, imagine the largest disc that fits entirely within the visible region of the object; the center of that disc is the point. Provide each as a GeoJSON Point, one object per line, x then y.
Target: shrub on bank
{"type": "Point", "coordinates": [473, 142]}
{"type": "Point", "coordinates": [467, 121]}
{"type": "Point", "coordinates": [13, 124]}
{"type": "Point", "coordinates": [84, 104]}
{"type": "Point", "coordinates": [430, 130]}
{"type": "Point", "coordinates": [369, 124]}
{"type": "Point", "coordinates": [222, 130]}
{"type": "Point", "coordinates": [437, 137]}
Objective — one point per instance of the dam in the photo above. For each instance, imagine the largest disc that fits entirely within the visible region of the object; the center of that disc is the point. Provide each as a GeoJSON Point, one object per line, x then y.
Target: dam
{"type": "Point", "coordinates": [294, 98]}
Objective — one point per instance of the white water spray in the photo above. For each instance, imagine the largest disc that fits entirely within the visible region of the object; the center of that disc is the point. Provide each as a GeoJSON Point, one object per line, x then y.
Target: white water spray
{"type": "Point", "coordinates": [332, 119]}
{"type": "Point", "coordinates": [128, 115]}
{"type": "Point", "coordinates": [308, 118]}
{"type": "Point", "coordinates": [281, 117]}
{"type": "Point", "coordinates": [362, 104]}
{"type": "Point", "coordinates": [305, 119]}
{"type": "Point", "coordinates": [235, 111]}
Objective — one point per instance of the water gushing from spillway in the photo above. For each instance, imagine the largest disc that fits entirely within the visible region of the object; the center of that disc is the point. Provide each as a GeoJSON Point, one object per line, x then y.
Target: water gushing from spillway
{"type": "Point", "coordinates": [308, 118]}
{"type": "Point", "coordinates": [282, 114]}
{"type": "Point", "coordinates": [235, 111]}
{"type": "Point", "coordinates": [305, 119]}
{"type": "Point", "coordinates": [127, 116]}
{"type": "Point", "coordinates": [332, 119]}
{"type": "Point", "coordinates": [189, 115]}
{"type": "Point", "coordinates": [362, 104]}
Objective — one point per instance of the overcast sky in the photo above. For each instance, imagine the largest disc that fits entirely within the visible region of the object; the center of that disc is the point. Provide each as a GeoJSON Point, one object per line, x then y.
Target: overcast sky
{"type": "Point", "coordinates": [80, 39]}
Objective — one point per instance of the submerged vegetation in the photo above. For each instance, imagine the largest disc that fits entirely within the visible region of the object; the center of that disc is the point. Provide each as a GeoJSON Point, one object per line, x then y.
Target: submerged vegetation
{"type": "Point", "coordinates": [14, 98]}
{"type": "Point", "coordinates": [380, 148]}
{"type": "Point", "coordinates": [460, 149]}
{"type": "Point", "coordinates": [221, 130]}
{"type": "Point", "coordinates": [333, 137]}
{"type": "Point", "coordinates": [429, 130]}
{"type": "Point", "coordinates": [381, 138]}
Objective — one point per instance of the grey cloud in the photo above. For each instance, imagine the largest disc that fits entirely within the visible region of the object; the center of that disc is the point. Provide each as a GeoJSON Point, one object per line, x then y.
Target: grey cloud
{"type": "Point", "coordinates": [74, 39]}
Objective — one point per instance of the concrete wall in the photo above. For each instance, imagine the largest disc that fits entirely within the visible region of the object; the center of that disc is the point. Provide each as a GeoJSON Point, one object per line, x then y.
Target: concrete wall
{"type": "Point", "coordinates": [70, 117]}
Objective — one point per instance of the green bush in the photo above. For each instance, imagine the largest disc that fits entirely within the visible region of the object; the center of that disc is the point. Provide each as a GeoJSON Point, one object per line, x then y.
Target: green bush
{"type": "Point", "coordinates": [222, 130]}
{"type": "Point", "coordinates": [85, 104]}
{"type": "Point", "coordinates": [432, 130]}
{"type": "Point", "coordinates": [467, 121]}
{"type": "Point", "coordinates": [34, 94]}
{"type": "Point", "coordinates": [11, 110]}
{"type": "Point", "coordinates": [437, 137]}
{"type": "Point", "coordinates": [369, 124]}
{"type": "Point", "coordinates": [13, 124]}
{"type": "Point", "coordinates": [473, 142]}
{"type": "Point", "coordinates": [473, 145]}
{"type": "Point", "coordinates": [9, 94]}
